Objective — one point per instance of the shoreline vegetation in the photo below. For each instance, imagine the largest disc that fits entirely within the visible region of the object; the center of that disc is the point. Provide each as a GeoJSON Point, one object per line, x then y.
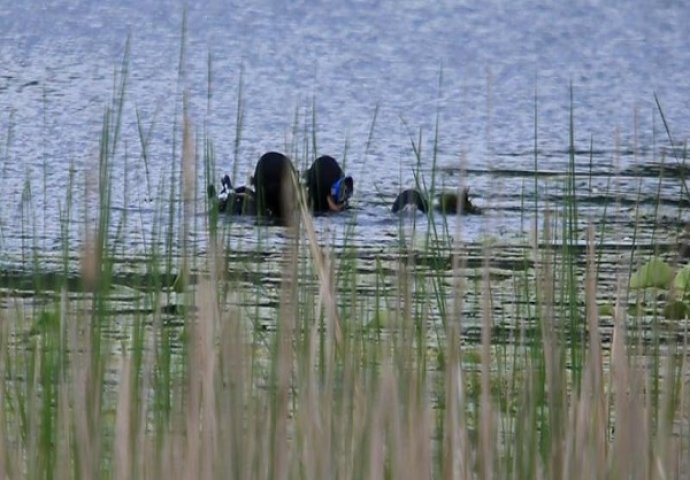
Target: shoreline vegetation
{"type": "Point", "coordinates": [187, 382]}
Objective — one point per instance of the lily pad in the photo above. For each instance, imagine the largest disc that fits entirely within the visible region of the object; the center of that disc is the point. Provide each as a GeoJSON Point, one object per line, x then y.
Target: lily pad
{"type": "Point", "coordinates": [636, 310]}
{"type": "Point", "coordinates": [654, 274]}
{"type": "Point", "coordinates": [682, 281]}
{"type": "Point", "coordinates": [676, 310]}
{"type": "Point", "coordinates": [606, 310]}
{"type": "Point", "coordinates": [380, 320]}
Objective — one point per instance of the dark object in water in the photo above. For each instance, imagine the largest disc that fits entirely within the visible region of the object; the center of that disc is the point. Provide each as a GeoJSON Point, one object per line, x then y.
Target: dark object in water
{"type": "Point", "coordinates": [328, 188]}
{"type": "Point", "coordinates": [238, 201]}
{"type": "Point", "coordinates": [449, 203]}
{"type": "Point", "coordinates": [242, 201]}
{"type": "Point", "coordinates": [225, 183]}
{"type": "Point", "coordinates": [274, 184]}
{"type": "Point", "coordinates": [413, 197]}
{"type": "Point", "coordinates": [684, 243]}
{"type": "Point", "coordinates": [452, 203]}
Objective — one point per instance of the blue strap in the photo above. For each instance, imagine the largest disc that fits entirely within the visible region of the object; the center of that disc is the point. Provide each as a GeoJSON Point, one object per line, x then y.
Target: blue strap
{"type": "Point", "coordinates": [336, 190]}
{"type": "Point", "coordinates": [340, 192]}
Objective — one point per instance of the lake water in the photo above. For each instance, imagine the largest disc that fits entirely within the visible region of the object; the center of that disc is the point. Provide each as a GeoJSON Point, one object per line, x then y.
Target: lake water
{"type": "Point", "coordinates": [482, 69]}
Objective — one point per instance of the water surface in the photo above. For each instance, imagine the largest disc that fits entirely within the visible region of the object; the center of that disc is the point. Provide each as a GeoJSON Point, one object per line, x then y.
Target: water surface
{"type": "Point", "coordinates": [483, 71]}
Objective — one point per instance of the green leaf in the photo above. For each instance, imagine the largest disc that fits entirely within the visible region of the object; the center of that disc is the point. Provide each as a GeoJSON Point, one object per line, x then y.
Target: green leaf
{"type": "Point", "coordinates": [606, 310]}
{"type": "Point", "coordinates": [379, 321]}
{"type": "Point", "coordinates": [676, 310]}
{"type": "Point", "coordinates": [654, 274]}
{"type": "Point", "coordinates": [682, 281]}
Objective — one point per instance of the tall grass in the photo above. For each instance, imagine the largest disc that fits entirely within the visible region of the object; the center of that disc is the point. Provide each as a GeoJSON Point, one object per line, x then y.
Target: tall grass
{"type": "Point", "coordinates": [327, 403]}
{"type": "Point", "coordinates": [321, 407]}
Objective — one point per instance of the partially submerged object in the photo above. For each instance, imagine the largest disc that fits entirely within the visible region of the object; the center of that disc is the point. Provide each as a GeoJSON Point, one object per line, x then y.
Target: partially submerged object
{"type": "Point", "coordinates": [452, 203]}
{"type": "Point", "coordinates": [448, 203]}
{"type": "Point", "coordinates": [273, 196]}
{"type": "Point", "coordinates": [410, 197]}
{"type": "Point", "coordinates": [237, 201]}
{"type": "Point", "coordinates": [275, 185]}
{"type": "Point", "coordinates": [328, 189]}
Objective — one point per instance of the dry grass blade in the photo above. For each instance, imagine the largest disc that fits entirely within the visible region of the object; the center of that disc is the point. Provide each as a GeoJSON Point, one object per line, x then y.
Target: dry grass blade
{"type": "Point", "coordinates": [324, 269]}
{"type": "Point", "coordinates": [376, 436]}
{"type": "Point", "coordinates": [486, 436]}
{"type": "Point", "coordinates": [86, 398]}
{"type": "Point", "coordinates": [5, 469]}
{"type": "Point", "coordinates": [64, 457]}
{"type": "Point", "coordinates": [202, 422]}
{"type": "Point", "coordinates": [285, 332]}
{"type": "Point", "coordinates": [188, 166]}
{"type": "Point", "coordinates": [456, 461]}
{"type": "Point", "coordinates": [629, 455]}
{"type": "Point", "coordinates": [123, 435]}
{"type": "Point", "coordinates": [586, 440]}
{"type": "Point", "coordinates": [188, 179]}
{"type": "Point", "coordinates": [555, 384]}
{"type": "Point", "coordinates": [233, 382]}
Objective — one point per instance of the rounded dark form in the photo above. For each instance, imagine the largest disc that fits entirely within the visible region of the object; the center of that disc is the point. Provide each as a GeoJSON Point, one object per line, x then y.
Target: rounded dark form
{"type": "Point", "coordinates": [243, 201]}
{"type": "Point", "coordinates": [349, 184]}
{"type": "Point", "coordinates": [322, 174]}
{"type": "Point", "coordinates": [410, 196]}
{"type": "Point", "coordinates": [452, 203]}
{"type": "Point", "coordinates": [274, 186]}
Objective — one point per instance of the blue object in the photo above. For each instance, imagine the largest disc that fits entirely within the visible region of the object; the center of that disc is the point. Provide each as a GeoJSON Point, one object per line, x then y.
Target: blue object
{"type": "Point", "coordinates": [340, 192]}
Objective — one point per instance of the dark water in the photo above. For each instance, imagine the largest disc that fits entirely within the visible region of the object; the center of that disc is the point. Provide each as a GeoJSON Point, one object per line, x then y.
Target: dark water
{"type": "Point", "coordinates": [477, 68]}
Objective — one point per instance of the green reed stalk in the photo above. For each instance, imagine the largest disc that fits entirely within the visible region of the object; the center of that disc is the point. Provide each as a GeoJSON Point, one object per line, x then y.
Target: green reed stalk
{"type": "Point", "coordinates": [667, 129]}
{"type": "Point", "coordinates": [315, 151]}
{"type": "Point", "coordinates": [144, 140]}
{"type": "Point", "coordinates": [239, 122]}
{"type": "Point", "coordinates": [569, 294]}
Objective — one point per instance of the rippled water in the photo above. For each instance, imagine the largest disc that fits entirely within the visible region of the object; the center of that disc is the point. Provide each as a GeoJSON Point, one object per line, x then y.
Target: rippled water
{"type": "Point", "coordinates": [479, 68]}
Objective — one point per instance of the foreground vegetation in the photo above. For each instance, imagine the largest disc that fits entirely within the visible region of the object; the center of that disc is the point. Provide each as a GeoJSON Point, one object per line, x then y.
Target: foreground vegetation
{"type": "Point", "coordinates": [345, 386]}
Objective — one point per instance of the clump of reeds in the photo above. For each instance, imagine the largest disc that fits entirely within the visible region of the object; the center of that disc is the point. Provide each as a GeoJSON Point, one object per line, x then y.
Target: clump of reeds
{"type": "Point", "coordinates": [320, 406]}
